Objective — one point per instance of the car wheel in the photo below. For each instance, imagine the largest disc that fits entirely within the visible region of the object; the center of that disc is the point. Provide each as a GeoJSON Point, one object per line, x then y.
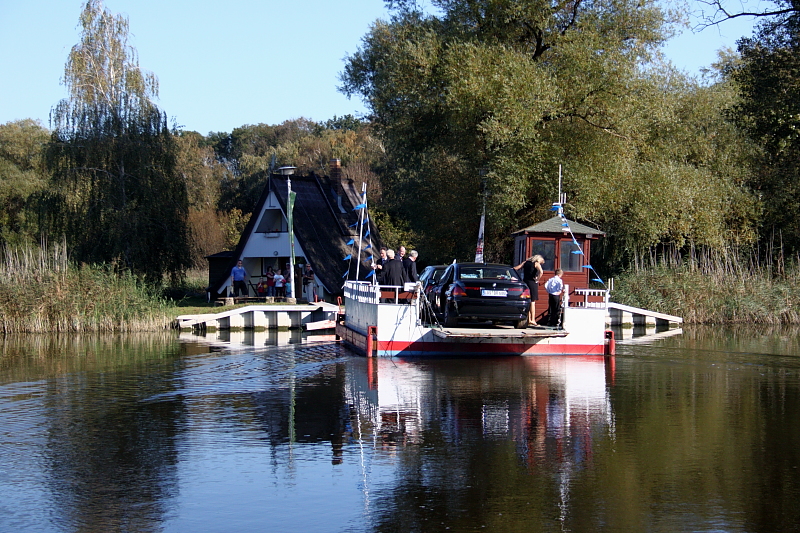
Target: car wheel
{"type": "Point", "coordinates": [521, 324]}
{"type": "Point", "coordinates": [450, 321]}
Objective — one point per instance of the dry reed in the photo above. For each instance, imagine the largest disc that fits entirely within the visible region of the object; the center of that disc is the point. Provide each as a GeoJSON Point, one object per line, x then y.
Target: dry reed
{"type": "Point", "coordinates": [42, 292]}
{"type": "Point", "coordinates": [715, 286]}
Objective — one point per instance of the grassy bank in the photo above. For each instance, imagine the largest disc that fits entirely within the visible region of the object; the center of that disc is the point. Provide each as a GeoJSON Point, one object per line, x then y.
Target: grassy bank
{"type": "Point", "coordinates": [41, 291]}
{"type": "Point", "coordinates": [715, 291]}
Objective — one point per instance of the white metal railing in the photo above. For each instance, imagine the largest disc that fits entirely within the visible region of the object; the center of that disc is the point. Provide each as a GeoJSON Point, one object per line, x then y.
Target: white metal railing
{"type": "Point", "coordinates": [586, 293]}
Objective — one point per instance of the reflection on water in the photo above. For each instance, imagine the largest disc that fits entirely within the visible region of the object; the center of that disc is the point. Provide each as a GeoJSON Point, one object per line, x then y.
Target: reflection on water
{"type": "Point", "coordinates": [266, 432]}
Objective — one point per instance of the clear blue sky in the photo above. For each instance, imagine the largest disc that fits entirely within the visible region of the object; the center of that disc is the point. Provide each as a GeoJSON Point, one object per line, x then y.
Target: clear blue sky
{"type": "Point", "coordinates": [221, 65]}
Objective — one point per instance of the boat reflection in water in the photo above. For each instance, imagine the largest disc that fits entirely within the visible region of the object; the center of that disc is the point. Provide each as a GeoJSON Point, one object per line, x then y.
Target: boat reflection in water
{"type": "Point", "coordinates": [549, 406]}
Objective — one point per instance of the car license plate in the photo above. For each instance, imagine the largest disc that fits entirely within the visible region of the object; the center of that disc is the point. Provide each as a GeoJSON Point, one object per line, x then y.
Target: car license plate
{"type": "Point", "coordinates": [489, 292]}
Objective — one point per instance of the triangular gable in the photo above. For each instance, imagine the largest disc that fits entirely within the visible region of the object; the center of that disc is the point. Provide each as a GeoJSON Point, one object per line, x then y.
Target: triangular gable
{"type": "Point", "coordinates": [321, 229]}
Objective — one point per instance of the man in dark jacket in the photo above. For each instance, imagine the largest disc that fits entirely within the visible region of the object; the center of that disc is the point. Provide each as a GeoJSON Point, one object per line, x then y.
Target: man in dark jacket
{"type": "Point", "coordinates": [410, 264]}
{"type": "Point", "coordinates": [393, 272]}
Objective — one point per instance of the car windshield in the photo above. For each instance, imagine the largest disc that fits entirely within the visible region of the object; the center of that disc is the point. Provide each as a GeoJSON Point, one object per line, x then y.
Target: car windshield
{"type": "Point", "coordinates": [504, 273]}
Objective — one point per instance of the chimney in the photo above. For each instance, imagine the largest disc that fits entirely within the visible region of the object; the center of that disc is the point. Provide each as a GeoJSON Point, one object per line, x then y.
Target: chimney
{"type": "Point", "coordinates": [336, 182]}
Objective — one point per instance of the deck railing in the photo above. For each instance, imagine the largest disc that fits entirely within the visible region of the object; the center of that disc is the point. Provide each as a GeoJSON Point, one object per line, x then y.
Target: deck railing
{"type": "Point", "coordinates": [586, 294]}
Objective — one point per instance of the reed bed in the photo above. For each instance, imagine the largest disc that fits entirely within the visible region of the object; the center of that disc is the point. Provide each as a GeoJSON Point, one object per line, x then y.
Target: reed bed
{"type": "Point", "coordinates": [41, 291]}
{"type": "Point", "coordinates": [715, 287]}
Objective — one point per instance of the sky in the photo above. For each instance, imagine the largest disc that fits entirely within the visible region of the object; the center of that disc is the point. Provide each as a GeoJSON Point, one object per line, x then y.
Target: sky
{"type": "Point", "coordinates": [222, 65]}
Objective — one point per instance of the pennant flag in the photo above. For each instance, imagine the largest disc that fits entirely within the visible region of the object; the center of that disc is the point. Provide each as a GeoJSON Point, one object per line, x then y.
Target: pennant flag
{"type": "Point", "coordinates": [366, 234]}
{"type": "Point", "coordinates": [348, 257]}
{"type": "Point", "coordinates": [554, 208]}
{"type": "Point", "coordinates": [345, 274]}
{"type": "Point", "coordinates": [575, 243]}
{"type": "Point", "coordinates": [367, 247]}
{"type": "Point", "coordinates": [588, 266]}
{"type": "Point", "coordinates": [371, 272]}
{"type": "Point", "coordinates": [351, 241]}
{"type": "Point", "coordinates": [353, 225]}
{"type": "Point", "coordinates": [579, 252]}
{"type": "Point", "coordinates": [359, 206]}
{"type": "Point", "coordinates": [564, 225]}
{"type": "Point", "coordinates": [597, 279]}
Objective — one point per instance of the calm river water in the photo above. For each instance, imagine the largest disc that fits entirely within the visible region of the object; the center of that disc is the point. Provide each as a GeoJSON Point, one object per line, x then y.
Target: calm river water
{"type": "Point", "coordinates": [694, 432]}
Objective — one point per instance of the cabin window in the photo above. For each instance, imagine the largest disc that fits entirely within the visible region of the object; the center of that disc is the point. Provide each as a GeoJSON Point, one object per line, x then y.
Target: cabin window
{"type": "Point", "coordinates": [547, 249]}
{"type": "Point", "coordinates": [570, 262]}
{"type": "Point", "coordinates": [272, 221]}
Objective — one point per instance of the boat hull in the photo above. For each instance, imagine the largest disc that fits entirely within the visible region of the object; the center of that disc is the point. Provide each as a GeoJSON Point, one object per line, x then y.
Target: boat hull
{"type": "Point", "coordinates": [376, 328]}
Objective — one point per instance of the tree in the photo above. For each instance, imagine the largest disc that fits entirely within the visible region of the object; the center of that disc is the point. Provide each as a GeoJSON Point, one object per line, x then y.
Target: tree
{"type": "Point", "coordinates": [769, 78]}
{"type": "Point", "coordinates": [781, 12]}
{"type": "Point", "coordinates": [117, 194]}
{"type": "Point", "coordinates": [21, 145]}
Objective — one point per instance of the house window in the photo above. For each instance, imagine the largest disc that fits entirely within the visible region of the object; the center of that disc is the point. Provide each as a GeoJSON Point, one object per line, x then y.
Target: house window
{"type": "Point", "coordinates": [272, 221]}
{"type": "Point", "coordinates": [547, 249]}
{"type": "Point", "coordinates": [570, 262]}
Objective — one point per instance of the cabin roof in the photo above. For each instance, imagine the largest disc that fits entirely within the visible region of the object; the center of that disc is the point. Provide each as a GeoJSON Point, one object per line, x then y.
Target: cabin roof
{"type": "Point", "coordinates": [554, 225]}
{"type": "Point", "coordinates": [320, 227]}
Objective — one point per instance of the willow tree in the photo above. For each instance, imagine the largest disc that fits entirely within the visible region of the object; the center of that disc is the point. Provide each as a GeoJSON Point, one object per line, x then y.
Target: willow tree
{"type": "Point", "coordinates": [116, 194]}
{"type": "Point", "coordinates": [503, 92]}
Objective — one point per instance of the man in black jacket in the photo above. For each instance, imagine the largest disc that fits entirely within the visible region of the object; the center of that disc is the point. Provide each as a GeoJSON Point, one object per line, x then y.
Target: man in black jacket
{"type": "Point", "coordinates": [410, 264]}
{"type": "Point", "coordinates": [392, 272]}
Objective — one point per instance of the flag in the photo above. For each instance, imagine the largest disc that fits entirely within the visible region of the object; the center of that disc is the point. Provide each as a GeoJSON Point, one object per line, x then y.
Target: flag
{"type": "Point", "coordinates": [479, 248]}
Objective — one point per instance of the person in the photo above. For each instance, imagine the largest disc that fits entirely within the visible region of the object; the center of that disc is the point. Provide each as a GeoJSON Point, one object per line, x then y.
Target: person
{"type": "Point", "coordinates": [410, 264]}
{"type": "Point", "coordinates": [531, 273]}
{"type": "Point", "coordinates": [377, 266]}
{"type": "Point", "coordinates": [280, 281]}
{"type": "Point", "coordinates": [309, 287]}
{"type": "Point", "coordinates": [261, 288]}
{"type": "Point", "coordinates": [237, 278]}
{"type": "Point", "coordinates": [270, 281]}
{"type": "Point", "coordinates": [554, 287]}
{"type": "Point", "coordinates": [401, 252]}
{"type": "Point", "coordinates": [393, 272]}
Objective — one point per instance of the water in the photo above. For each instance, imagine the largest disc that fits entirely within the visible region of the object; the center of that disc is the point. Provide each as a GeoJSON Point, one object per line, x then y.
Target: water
{"type": "Point", "coordinates": [697, 432]}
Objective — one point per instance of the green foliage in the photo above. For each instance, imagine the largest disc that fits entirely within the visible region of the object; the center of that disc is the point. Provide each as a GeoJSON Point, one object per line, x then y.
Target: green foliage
{"type": "Point", "coordinates": [117, 194]}
{"type": "Point", "coordinates": [518, 88]}
{"type": "Point", "coordinates": [769, 111]}
{"type": "Point", "coordinates": [21, 179]}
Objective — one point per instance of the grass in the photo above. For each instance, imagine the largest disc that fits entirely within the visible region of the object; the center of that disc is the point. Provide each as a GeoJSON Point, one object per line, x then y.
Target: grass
{"type": "Point", "coordinates": [41, 291]}
{"type": "Point", "coordinates": [715, 288]}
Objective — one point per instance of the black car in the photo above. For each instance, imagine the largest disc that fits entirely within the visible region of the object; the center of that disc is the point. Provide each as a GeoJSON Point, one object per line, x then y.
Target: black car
{"type": "Point", "coordinates": [481, 291]}
{"type": "Point", "coordinates": [430, 276]}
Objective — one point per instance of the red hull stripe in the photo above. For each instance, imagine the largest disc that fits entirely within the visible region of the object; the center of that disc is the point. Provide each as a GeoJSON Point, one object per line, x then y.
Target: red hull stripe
{"type": "Point", "coordinates": [441, 348]}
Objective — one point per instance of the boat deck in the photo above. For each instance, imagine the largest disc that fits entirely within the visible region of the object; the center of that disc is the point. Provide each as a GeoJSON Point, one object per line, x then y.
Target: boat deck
{"type": "Point", "coordinates": [497, 332]}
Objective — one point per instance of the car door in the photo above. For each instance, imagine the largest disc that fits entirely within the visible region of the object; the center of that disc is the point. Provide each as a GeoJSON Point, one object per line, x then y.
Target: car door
{"type": "Point", "coordinates": [440, 290]}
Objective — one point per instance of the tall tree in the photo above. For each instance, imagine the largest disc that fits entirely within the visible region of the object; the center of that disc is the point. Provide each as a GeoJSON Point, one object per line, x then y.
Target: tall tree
{"type": "Point", "coordinates": [769, 77]}
{"type": "Point", "coordinates": [117, 193]}
{"type": "Point", "coordinates": [515, 89]}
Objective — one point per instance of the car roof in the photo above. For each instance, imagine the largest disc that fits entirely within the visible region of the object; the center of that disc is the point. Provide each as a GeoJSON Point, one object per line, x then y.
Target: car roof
{"type": "Point", "coordinates": [483, 265]}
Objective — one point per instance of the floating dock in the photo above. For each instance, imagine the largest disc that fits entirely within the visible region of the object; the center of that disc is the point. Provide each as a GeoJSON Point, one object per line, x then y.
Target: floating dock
{"type": "Point", "coordinates": [291, 316]}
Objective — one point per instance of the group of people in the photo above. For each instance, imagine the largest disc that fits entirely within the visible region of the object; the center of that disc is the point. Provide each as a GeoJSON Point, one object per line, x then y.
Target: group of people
{"type": "Point", "coordinates": [273, 283]}
{"type": "Point", "coordinates": [531, 274]}
{"type": "Point", "coordinates": [396, 270]}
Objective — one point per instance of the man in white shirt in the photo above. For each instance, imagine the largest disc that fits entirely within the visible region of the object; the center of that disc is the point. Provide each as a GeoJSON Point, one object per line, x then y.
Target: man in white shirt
{"type": "Point", "coordinates": [554, 288]}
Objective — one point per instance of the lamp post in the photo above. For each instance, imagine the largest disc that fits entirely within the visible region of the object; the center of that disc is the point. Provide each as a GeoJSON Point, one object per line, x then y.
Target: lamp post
{"type": "Point", "coordinates": [288, 171]}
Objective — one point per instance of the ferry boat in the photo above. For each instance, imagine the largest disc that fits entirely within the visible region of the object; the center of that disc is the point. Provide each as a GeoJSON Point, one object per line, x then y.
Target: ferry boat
{"type": "Point", "coordinates": [389, 322]}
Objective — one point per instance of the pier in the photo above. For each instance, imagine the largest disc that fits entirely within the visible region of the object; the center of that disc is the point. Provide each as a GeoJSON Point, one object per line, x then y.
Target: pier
{"type": "Point", "coordinates": [291, 316]}
{"type": "Point", "coordinates": [627, 316]}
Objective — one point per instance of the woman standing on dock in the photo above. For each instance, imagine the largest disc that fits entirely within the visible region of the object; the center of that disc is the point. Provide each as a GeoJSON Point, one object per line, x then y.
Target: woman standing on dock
{"type": "Point", "coordinates": [531, 273]}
